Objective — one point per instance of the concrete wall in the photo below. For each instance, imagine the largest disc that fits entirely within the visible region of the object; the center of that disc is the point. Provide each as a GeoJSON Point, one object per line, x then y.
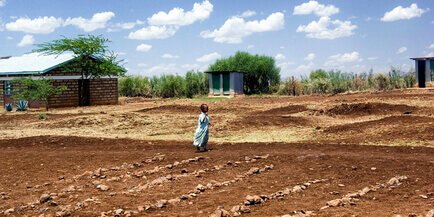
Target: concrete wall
{"type": "Point", "coordinates": [1, 93]}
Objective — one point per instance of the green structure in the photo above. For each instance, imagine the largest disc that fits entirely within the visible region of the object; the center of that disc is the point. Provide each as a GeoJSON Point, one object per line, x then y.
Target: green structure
{"type": "Point", "coordinates": [424, 71]}
{"type": "Point", "coordinates": [226, 83]}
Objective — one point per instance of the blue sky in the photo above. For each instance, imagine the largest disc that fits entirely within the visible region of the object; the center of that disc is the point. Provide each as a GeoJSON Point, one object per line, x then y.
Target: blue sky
{"type": "Point", "coordinates": [173, 36]}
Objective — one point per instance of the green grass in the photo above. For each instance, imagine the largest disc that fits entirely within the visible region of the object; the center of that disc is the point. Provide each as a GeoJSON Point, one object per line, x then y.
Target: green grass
{"type": "Point", "coordinates": [209, 99]}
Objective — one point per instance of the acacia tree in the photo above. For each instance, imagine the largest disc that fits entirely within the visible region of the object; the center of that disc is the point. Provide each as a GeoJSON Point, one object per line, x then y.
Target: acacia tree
{"type": "Point", "coordinates": [36, 90]}
{"type": "Point", "coordinates": [92, 57]}
{"type": "Point", "coordinates": [260, 71]}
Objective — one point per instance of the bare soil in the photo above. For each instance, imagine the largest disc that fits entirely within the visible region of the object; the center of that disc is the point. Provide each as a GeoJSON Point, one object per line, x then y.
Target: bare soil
{"type": "Point", "coordinates": [142, 152]}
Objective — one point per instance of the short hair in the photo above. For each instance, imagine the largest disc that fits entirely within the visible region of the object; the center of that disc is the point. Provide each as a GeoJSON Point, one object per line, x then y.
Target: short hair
{"type": "Point", "coordinates": [204, 108]}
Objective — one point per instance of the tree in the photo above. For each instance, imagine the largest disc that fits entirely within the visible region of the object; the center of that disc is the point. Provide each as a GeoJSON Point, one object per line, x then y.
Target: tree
{"type": "Point", "coordinates": [260, 71]}
{"type": "Point", "coordinates": [36, 90]}
{"type": "Point", "coordinates": [92, 58]}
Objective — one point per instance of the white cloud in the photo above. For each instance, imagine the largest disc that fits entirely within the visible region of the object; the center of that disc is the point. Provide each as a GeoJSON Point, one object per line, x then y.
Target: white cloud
{"type": "Point", "coordinates": [40, 25]}
{"type": "Point", "coordinates": [2, 3]}
{"type": "Point", "coordinates": [284, 66]}
{"type": "Point", "coordinates": [250, 46]}
{"type": "Point", "coordinates": [313, 7]}
{"type": "Point", "coordinates": [124, 26]}
{"type": "Point", "coordinates": [144, 47]}
{"type": "Point", "coordinates": [372, 58]}
{"type": "Point", "coordinates": [339, 59]}
{"type": "Point", "coordinates": [98, 21]}
{"type": "Point", "coordinates": [305, 67]}
{"type": "Point", "coordinates": [401, 50]}
{"type": "Point", "coordinates": [431, 46]}
{"type": "Point", "coordinates": [431, 54]}
{"type": "Point", "coordinates": [141, 65]}
{"type": "Point", "coordinates": [236, 28]}
{"type": "Point", "coordinates": [310, 57]}
{"type": "Point", "coordinates": [401, 13]}
{"type": "Point", "coordinates": [177, 16]}
{"type": "Point", "coordinates": [190, 66]}
{"type": "Point", "coordinates": [248, 13]}
{"type": "Point", "coordinates": [26, 41]}
{"type": "Point", "coordinates": [9, 38]}
{"type": "Point", "coordinates": [209, 57]}
{"type": "Point", "coordinates": [325, 28]}
{"type": "Point", "coordinates": [162, 69]}
{"type": "Point", "coordinates": [169, 56]}
{"type": "Point", "coordinates": [279, 56]}
{"type": "Point", "coordinates": [153, 32]}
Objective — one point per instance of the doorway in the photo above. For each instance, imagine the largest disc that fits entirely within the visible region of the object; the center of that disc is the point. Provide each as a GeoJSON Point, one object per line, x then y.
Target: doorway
{"type": "Point", "coordinates": [226, 83]}
{"type": "Point", "coordinates": [216, 84]}
{"type": "Point", "coordinates": [421, 68]}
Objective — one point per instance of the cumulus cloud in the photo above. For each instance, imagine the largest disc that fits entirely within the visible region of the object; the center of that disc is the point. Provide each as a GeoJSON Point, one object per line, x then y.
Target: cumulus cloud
{"type": "Point", "coordinates": [310, 57]}
{"type": "Point", "coordinates": [236, 28]}
{"type": "Point", "coordinates": [98, 21]}
{"type": "Point", "coordinates": [26, 41]}
{"type": "Point", "coordinates": [313, 7]}
{"type": "Point", "coordinates": [153, 32]}
{"type": "Point", "coordinates": [162, 69]}
{"type": "Point", "coordinates": [401, 13]}
{"type": "Point", "coordinates": [280, 56]}
{"type": "Point", "coordinates": [177, 16]}
{"type": "Point", "coordinates": [250, 46]}
{"type": "Point", "coordinates": [2, 3]}
{"type": "Point", "coordinates": [190, 66]}
{"type": "Point", "coordinates": [401, 50]}
{"type": "Point", "coordinates": [143, 47]}
{"type": "Point", "coordinates": [338, 59]}
{"type": "Point", "coordinates": [248, 13]}
{"type": "Point", "coordinates": [305, 67]}
{"type": "Point", "coordinates": [325, 28]}
{"type": "Point", "coordinates": [124, 26]}
{"type": "Point", "coordinates": [209, 57]}
{"type": "Point", "coordinates": [169, 56]}
{"type": "Point", "coordinates": [431, 46]}
{"type": "Point", "coordinates": [40, 25]}
{"type": "Point", "coordinates": [372, 58]}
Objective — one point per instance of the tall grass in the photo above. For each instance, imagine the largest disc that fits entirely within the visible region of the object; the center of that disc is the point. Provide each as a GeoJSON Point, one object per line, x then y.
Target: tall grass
{"type": "Point", "coordinates": [165, 86]}
{"type": "Point", "coordinates": [334, 82]}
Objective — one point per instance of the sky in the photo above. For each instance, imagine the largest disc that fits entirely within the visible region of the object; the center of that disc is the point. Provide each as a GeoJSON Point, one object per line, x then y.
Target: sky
{"type": "Point", "coordinates": [156, 37]}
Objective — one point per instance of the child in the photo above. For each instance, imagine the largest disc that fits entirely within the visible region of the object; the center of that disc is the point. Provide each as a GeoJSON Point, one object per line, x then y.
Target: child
{"type": "Point", "coordinates": [201, 134]}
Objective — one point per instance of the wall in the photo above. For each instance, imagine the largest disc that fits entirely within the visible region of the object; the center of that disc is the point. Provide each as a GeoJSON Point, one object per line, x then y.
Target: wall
{"type": "Point", "coordinates": [68, 98]}
{"type": "Point", "coordinates": [104, 91]}
{"type": "Point", "coordinates": [1, 93]}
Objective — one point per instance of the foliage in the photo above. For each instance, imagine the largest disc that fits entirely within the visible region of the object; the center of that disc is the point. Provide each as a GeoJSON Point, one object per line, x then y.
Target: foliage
{"type": "Point", "coordinates": [92, 57]}
{"type": "Point", "coordinates": [165, 86]}
{"type": "Point", "coordinates": [260, 71]}
{"type": "Point", "coordinates": [36, 90]}
{"type": "Point", "coordinates": [42, 116]}
{"type": "Point", "coordinates": [9, 107]}
{"type": "Point", "coordinates": [22, 105]}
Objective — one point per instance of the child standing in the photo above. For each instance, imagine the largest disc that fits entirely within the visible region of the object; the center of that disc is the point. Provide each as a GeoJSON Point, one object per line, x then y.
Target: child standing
{"type": "Point", "coordinates": [201, 135]}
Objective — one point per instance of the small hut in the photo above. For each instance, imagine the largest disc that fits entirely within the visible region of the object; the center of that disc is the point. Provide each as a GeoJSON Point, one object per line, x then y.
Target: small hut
{"type": "Point", "coordinates": [226, 83]}
{"type": "Point", "coordinates": [424, 71]}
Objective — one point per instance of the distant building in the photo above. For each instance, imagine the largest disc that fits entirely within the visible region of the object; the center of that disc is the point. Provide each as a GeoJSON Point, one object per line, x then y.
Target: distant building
{"type": "Point", "coordinates": [225, 83]}
{"type": "Point", "coordinates": [100, 91]}
{"type": "Point", "coordinates": [424, 71]}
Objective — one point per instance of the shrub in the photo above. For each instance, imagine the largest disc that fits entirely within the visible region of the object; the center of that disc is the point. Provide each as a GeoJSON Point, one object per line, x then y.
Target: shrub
{"type": "Point", "coordinates": [22, 105]}
{"type": "Point", "coordinates": [9, 107]}
{"type": "Point", "coordinates": [42, 116]}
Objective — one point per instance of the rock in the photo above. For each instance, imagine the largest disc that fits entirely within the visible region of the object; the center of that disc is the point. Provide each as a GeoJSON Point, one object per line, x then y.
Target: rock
{"type": "Point", "coordinates": [63, 214]}
{"type": "Point", "coordinates": [161, 203]}
{"type": "Point", "coordinates": [184, 197]}
{"type": "Point", "coordinates": [297, 189]}
{"type": "Point", "coordinates": [373, 168]}
{"type": "Point", "coordinates": [45, 198]}
{"type": "Point", "coordinates": [396, 180]}
{"type": "Point", "coordinates": [341, 185]}
{"type": "Point", "coordinates": [253, 170]}
{"type": "Point", "coordinates": [334, 203]}
{"type": "Point", "coordinates": [118, 212]}
{"type": "Point", "coordinates": [141, 208]}
{"type": "Point", "coordinates": [169, 166]}
{"type": "Point", "coordinates": [430, 213]}
{"type": "Point", "coordinates": [9, 211]}
{"type": "Point", "coordinates": [252, 200]}
{"type": "Point", "coordinates": [103, 187]}
{"type": "Point", "coordinates": [174, 201]}
{"type": "Point", "coordinates": [52, 203]}
{"type": "Point", "coordinates": [220, 212]}
{"type": "Point", "coordinates": [184, 170]}
{"type": "Point", "coordinates": [201, 188]}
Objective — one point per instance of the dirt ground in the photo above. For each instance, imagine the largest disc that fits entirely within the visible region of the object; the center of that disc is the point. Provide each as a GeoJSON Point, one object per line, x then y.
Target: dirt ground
{"type": "Point", "coordinates": [365, 154]}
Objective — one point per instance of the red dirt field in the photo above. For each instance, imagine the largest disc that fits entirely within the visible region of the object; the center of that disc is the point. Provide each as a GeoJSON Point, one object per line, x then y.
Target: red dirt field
{"type": "Point", "coordinates": [38, 165]}
{"type": "Point", "coordinates": [366, 154]}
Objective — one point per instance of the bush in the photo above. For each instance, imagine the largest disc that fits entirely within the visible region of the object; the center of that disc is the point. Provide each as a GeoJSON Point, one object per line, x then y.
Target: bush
{"type": "Point", "coordinates": [9, 107]}
{"type": "Point", "coordinates": [22, 106]}
{"type": "Point", "coordinates": [133, 86]}
{"type": "Point", "coordinates": [42, 116]}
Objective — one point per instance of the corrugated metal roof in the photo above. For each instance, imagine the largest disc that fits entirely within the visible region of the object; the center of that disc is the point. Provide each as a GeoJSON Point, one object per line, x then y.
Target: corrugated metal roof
{"type": "Point", "coordinates": [422, 58]}
{"type": "Point", "coordinates": [33, 63]}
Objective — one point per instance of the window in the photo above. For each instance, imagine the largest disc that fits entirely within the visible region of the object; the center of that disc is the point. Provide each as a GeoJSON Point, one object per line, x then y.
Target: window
{"type": "Point", "coordinates": [8, 88]}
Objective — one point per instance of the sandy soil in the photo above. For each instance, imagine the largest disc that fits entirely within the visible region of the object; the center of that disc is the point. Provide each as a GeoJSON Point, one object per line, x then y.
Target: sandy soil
{"type": "Point", "coordinates": [311, 154]}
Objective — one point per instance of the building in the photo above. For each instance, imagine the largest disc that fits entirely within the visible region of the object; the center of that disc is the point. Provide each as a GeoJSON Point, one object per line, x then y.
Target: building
{"type": "Point", "coordinates": [225, 83]}
{"type": "Point", "coordinates": [424, 71]}
{"type": "Point", "coordinates": [80, 92]}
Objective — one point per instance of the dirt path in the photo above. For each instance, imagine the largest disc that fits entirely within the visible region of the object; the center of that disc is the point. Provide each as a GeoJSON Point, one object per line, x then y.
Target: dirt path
{"type": "Point", "coordinates": [71, 169]}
